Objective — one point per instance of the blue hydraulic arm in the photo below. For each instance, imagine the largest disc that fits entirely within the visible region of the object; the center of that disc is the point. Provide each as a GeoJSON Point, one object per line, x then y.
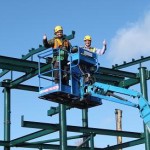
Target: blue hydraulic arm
{"type": "Point", "coordinates": [108, 92]}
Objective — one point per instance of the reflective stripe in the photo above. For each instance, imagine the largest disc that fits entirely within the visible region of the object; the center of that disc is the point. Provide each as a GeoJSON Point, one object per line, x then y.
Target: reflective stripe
{"type": "Point", "coordinates": [92, 49]}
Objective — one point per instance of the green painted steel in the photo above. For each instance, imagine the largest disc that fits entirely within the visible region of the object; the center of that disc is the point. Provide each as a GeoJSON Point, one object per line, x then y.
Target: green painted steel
{"type": "Point", "coordinates": [143, 84]}
{"type": "Point", "coordinates": [63, 129]}
{"type": "Point", "coordinates": [83, 144]}
{"type": "Point", "coordinates": [20, 87]}
{"type": "Point", "coordinates": [29, 75]}
{"type": "Point", "coordinates": [126, 144]}
{"type": "Point", "coordinates": [118, 73]}
{"type": "Point", "coordinates": [134, 62]}
{"type": "Point", "coordinates": [92, 141]}
{"type": "Point", "coordinates": [31, 136]}
{"type": "Point", "coordinates": [24, 57]}
{"type": "Point", "coordinates": [104, 78]}
{"type": "Point", "coordinates": [16, 64]}
{"type": "Point", "coordinates": [7, 114]}
{"type": "Point", "coordinates": [85, 124]}
{"type": "Point", "coordinates": [130, 82]}
{"type": "Point", "coordinates": [4, 143]}
{"type": "Point", "coordinates": [58, 139]}
{"type": "Point", "coordinates": [53, 146]}
{"type": "Point", "coordinates": [55, 110]}
{"type": "Point", "coordinates": [77, 129]}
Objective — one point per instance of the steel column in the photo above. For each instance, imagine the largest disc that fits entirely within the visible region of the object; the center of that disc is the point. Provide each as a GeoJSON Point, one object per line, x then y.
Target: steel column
{"type": "Point", "coordinates": [63, 129]}
{"type": "Point", "coordinates": [143, 84]}
{"type": "Point", "coordinates": [85, 124]}
{"type": "Point", "coordinates": [92, 141]}
{"type": "Point", "coordinates": [7, 116]}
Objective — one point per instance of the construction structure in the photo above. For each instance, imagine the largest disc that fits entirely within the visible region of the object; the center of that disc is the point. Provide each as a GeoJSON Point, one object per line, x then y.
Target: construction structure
{"type": "Point", "coordinates": [108, 81]}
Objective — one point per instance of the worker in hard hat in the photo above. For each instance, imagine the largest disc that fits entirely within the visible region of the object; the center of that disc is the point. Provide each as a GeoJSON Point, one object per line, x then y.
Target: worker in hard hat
{"type": "Point", "coordinates": [59, 42]}
{"type": "Point", "coordinates": [86, 69]}
{"type": "Point", "coordinates": [88, 42]}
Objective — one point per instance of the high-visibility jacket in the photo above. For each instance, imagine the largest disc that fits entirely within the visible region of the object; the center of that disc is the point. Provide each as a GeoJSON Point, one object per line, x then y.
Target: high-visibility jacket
{"type": "Point", "coordinates": [96, 50]}
{"type": "Point", "coordinates": [91, 49]}
{"type": "Point", "coordinates": [58, 43]}
{"type": "Point", "coordinates": [63, 45]}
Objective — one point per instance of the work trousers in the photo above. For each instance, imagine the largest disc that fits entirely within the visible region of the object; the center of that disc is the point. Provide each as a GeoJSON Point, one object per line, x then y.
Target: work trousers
{"type": "Point", "coordinates": [63, 72]}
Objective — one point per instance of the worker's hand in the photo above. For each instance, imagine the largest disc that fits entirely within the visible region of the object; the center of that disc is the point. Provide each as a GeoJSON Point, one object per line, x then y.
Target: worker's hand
{"type": "Point", "coordinates": [44, 37]}
{"type": "Point", "coordinates": [104, 42]}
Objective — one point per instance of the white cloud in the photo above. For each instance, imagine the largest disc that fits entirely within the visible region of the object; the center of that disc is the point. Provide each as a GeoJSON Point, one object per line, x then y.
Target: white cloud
{"type": "Point", "coordinates": [131, 42]}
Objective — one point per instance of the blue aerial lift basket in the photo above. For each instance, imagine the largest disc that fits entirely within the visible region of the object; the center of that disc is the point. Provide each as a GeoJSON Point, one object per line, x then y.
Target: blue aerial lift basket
{"type": "Point", "coordinates": [68, 94]}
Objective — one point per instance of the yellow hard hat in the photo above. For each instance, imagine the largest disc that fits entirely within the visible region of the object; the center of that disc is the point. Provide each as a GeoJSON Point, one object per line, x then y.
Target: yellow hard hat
{"type": "Point", "coordinates": [87, 37]}
{"type": "Point", "coordinates": [58, 28]}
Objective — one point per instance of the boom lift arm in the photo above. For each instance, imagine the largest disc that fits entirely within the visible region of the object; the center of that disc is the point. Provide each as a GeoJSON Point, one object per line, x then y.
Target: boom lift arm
{"type": "Point", "coordinates": [106, 92]}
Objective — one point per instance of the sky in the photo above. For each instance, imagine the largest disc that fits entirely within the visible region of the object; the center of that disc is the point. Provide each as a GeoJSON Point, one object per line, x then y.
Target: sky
{"type": "Point", "coordinates": [124, 24]}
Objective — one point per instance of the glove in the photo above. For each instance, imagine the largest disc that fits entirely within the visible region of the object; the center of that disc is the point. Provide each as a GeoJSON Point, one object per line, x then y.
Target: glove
{"type": "Point", "coordinates": [104, 43]}
{"type": "Point", "coordinates": [44, 37]}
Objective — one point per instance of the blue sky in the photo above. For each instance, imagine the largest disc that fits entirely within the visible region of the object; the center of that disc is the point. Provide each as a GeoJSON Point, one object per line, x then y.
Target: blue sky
{"type": "Point", "coordinates": [124, 24]}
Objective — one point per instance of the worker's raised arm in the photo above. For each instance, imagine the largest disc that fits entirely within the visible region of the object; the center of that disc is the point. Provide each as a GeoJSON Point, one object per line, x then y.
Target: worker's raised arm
{"type": "Point", "coordinates": [102, 51]}
{"type": "Point", "coordinates": [46, 43]}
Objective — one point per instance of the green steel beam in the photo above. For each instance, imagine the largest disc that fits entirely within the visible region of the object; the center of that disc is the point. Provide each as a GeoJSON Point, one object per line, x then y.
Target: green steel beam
{"type": "Point", "coordinates": [52, 146]}
{"type": "Point", "coordinates": [134, 62]}
{"type": "Point", "coordinates": [4, 143]}
{"type": "Point", "coordinates": [29, 75]}
{"type": "Point", "coordinates": [55, 110]}
{"type": "Point", "coordinates": [47, 126]}
{"type": "Point", "coordinates": [31, 136]}
{"type": "Point", "coordinates": [109, 79]}
{"type": "Point", "coordinates": [20, 87]}
{"type": "Point", "coordinates": [33, 51]}
{"type": "Point", "coordinates": [16, 64]}
{"type": "Point", "coordinates": [24, 57]}
{"type": "Point", "coordinates": [109, 71]}
{"type": "Point", "coordinates": [131, 82]}
{"type": "Point", "coordinates": [27, 87]}
{"type": "Point", "coordinates": [11, 67]}
{"type": "Point", "coordinates": [126, 144]}
{"type": "Point", "coordinates": [58, 139]}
